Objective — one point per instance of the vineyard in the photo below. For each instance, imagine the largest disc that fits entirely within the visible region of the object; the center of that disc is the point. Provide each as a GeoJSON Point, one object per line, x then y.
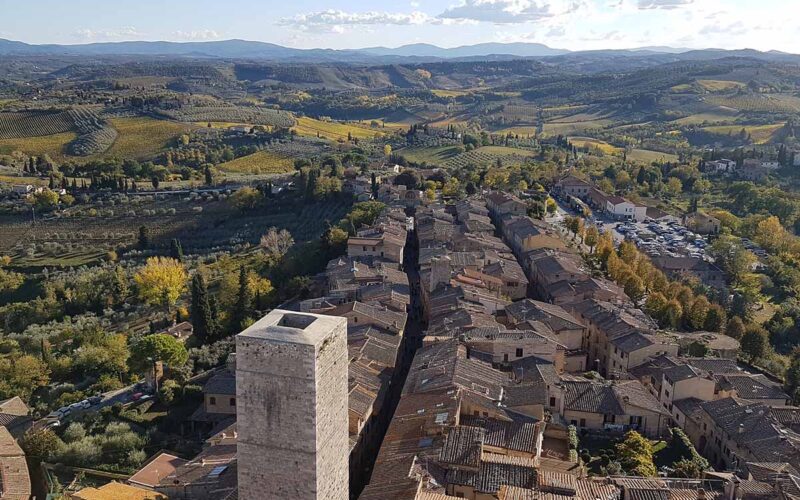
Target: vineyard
{"type": "Point", "coordinates": [34, 124]}
{"type": "Point", "coordinates": [230, 114]}
{"type": "Point", "coordinates": [262, 162]}
{"type": "Point", "coordinates": [759, 103]}
{"type": "Point", "coordinates": [489, 155]}
{"type": "Point", "coordinates": [456, 157]}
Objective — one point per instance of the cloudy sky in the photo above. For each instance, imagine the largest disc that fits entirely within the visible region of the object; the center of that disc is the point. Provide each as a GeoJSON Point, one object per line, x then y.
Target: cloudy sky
{"type": "Point", "coordinates": [570, 24]}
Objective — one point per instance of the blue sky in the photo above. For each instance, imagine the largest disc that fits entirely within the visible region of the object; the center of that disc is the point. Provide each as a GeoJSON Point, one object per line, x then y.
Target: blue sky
{"type": "Point", "coordinates": [570, 24]}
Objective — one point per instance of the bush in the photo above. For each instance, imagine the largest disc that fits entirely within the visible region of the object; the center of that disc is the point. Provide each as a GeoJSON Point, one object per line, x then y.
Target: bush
{"type": "Point", "coordinates": [169, 392]}
{"type": "Point", "coordinates": [74, 432]}
{"type": "Point", "coordinates": [573, 437]}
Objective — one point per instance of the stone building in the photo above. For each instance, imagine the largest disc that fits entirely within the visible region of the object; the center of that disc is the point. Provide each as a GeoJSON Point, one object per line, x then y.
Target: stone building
{"type": "Point", "coordinates": [292, 397]}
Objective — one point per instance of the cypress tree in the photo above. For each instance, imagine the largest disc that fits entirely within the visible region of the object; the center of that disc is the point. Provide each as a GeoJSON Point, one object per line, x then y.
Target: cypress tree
{"type": "Point", "coordinates": [244, 302]}
{"type": "Point", "coordinates": [144, 238]}
{"type": "Point", "coordinates": [176, 250]}
{"type": "Point", "coordinates": [47, 355]}
{"type": "Point", "coordinates": [119, 286]}
{"type": "Point", "coordinates": [201, 313]}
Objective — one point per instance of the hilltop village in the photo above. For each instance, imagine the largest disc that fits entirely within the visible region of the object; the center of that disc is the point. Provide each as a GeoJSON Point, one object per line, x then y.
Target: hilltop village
{"type": "Point", "coordinates": [481, 354]}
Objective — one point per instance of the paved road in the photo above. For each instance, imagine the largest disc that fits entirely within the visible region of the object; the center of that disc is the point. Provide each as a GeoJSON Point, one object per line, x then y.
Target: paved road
{"type": "Point", "coordinates": [109, 399]}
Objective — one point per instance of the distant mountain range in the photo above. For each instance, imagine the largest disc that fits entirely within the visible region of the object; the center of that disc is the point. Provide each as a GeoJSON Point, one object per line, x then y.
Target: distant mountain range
{"type": "Point", "coordinates": [243, 49]}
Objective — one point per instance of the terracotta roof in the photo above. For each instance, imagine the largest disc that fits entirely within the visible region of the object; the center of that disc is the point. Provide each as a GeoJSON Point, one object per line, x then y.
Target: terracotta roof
{"type": "Point", "coordinates": [514, 436]}
{"type": "Point", "coordinates": [463, 446]}
{"type": "Point", "coordinates": [15, 483]}
{"type": "Point", "coordinates": [117, 491]}
{"type": "Point", "coordinates": [223, 382]}
{"type": "Point", "coordinates": [159, 466]}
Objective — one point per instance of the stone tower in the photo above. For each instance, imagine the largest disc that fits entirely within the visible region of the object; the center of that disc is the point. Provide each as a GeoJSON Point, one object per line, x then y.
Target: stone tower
{"type": "Point", "coordinates": [440, 272]}
{"type": "Point", "coordinates": [291, 406]}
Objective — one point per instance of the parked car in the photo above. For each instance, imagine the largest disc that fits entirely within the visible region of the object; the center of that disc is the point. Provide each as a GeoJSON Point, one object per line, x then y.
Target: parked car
{"type": "Point", "coordinates": [137, 396]}
{"type": "Point", "coordinates": [97, 398]}
{"type": "Point", "coordinates": [57, 414]}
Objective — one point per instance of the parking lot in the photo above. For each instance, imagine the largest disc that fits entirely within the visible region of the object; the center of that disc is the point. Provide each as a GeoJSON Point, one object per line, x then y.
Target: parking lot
{"type": "Point", "coordinates": [656, 239]}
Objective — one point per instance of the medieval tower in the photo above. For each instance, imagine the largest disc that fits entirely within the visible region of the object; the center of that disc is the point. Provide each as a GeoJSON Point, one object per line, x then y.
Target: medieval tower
{"type": "Point", "coordinates": [291, 406]}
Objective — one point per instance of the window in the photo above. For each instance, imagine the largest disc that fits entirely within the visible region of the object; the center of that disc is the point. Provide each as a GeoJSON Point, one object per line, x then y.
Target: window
{"type": "Point", "coordinates": [505, 357]}
{"type": "Point", "coordinates": [233, 402]}
{"type": "Point", "coordinates": [373, 249]}
{"type": "Point", "coordinates": [552, 401]}
{"type": "Point", "coordinates": [364, 248]}
{"type": "Point", "coordinates": [212, 400]}
{"type": "Point", "coordinates": [519, 352]}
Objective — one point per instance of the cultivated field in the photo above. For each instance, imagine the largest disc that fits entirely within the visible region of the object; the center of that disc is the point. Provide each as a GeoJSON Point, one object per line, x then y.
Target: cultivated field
{"type": "Point", "coordinates": [759, 103]}
{"type": "Point", "coordinates": [594, 145]}
{"type": "Point", "coordinates": [231, 114]}
{"type": "Point", "coordinates": [142, 137]}
{"type": "Point", "coordinates": [334, 131]}
{"type": "Point", "coordinates": [761, 134]}
{"type": "Point", "coordinates": [52, 145]}
{"type": "Point", "coordinates": [262, 162]}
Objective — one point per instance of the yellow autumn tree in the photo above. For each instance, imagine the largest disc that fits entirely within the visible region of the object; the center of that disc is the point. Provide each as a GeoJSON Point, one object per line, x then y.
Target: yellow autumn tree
{"type": "Point", "coordinates": [161, 281]}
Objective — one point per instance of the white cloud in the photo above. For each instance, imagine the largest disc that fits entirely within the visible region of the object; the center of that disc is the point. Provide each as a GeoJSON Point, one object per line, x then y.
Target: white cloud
{"type": "Point", "coordinates": [511, 11]}
{"type": "Point", "coordinates": [663, 4]}
{"type": "Point", "coordinates": [199, 35]}
{"type": "Point", "coordinates": [92, 35]}
{"type": "Point", "coordinates": [336, 21]}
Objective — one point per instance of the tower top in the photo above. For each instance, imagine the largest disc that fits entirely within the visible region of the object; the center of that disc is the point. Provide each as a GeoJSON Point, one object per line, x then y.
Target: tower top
{"type": "Point", "coordinates": [293, 327]}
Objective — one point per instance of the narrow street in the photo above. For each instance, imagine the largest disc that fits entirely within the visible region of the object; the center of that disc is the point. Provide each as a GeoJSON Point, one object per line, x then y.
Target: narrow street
{"type": "Point", "coordinates": [412, 340]}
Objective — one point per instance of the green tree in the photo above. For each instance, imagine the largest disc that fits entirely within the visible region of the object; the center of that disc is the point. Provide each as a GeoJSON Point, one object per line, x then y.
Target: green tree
{"type": "Point", "coordinates": [715, 319]}
{"type": "Point", "coordinates": [21, 375]}
{"type": "Point", "coordinates": [242, 309]}
{"type": "Point", "coordinates": [159, 347]}
{"type": "Point", "coordinates": [119, 286]}
{"type": "Point", "coordinates": [246, 198]}
{"type": "Point", "coordinates": [655, 306]}
{"type": "Point", "coordinates": [144, 238]}
{"type": "Point", "coordinates": [673, 313]}
{"type": "Point", "coordinates": [590, 237]}
{"type": "Point", "coordinates": [699, 312]}
{"type": "Point", "coordinates": [176, 250]}
{"type": "Point", "coordinates": [755, 342]}
{"type": "Point", "coordinates": [41, 445]}
{"type": "Point", "coordinates": [205, 323]}
{"type": "Point", "coordinates": [735, 328]}
{"type": "Point", "coordinates": [10, 281]}
{"type": "Point", "coordinates": [634, 287]}
{"type": "Point", "coordinates": [792, 384]}
{"type": "Point", "coordinates": [734, 259]}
